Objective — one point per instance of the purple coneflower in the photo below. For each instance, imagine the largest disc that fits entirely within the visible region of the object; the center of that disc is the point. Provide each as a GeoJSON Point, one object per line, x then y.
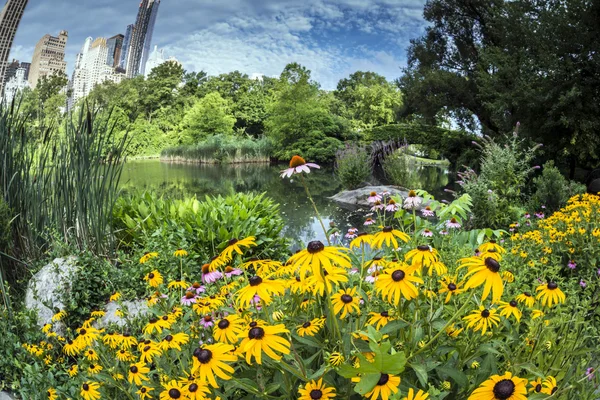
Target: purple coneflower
{"type": "Point", "coordinates": [352, 233]}
{"type": "Point", "coordinates": [590, 373]}
{"type": "Point", "coordinates": [540, 215]}
{"type": "Point", "coordinates": [572, 264]}
{"type": "Point", "coordinates": [196, 287]}
{"type": "Point", "coordinates": [373, 197]}
{"type": "Point", "coordinates": [452, 223]}
{"type": "Point", "coordinates": [391, 206]}
{"type": "Point", "coordinates": [256, 300]}
{"type": "Point", "coordinates": [427, 233]}
{"type": "Point", "coordinates": [369, 221]}
{"type": "Point", "coordinates": [211, 277]}
{"type": "Point", "coordinates": [427, 212]}
{"type": "Point", "coordinates": [582, 283]}
{"type": "Point", "coordinates": [297, 166]}
{"type": "Point", "coordinates": [412, 201]}
{"type": "Point", "coordinates": [189, 298]}
{"type": "Point", "coordinates": [527, 215]}
{"type": "Point", "coordinates": [207, 321]}
{"type": "Point", "coordinates": [377, 206]}
{"type": "Point", "coordinates": [229, 272]}
{"type": "Point", "coordinates": [443, 232]}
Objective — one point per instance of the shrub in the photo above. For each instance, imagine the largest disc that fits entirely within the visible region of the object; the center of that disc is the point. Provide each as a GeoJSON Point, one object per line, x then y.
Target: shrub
{"type": "Point", "coordinates": [222, 149]}
{"type": "Point", "coordinates": [552, 189]}
{"type": "Point", "coordinates": [353, 166]}
{"type": "Point", "coordinates": [399, 169]}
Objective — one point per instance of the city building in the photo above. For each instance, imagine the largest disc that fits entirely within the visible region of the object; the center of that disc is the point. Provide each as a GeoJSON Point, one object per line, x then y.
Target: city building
{"type": "Point", "coordinates": [14, 85]}
{"type": "Point", "coordinates": [141, 38]}
{"type": "Point", "coordinates": [156, 58]}
{"type": "Point", "coordinates": [115, 46]}
{"type": "Point", "coordinates": [48, 57]}
{"type": "Point", "coordinates": [13, 66]}
{"type": "Point", "coordinates": [9, 22]}
{"type": "Point", "coordinates": [125, 48]}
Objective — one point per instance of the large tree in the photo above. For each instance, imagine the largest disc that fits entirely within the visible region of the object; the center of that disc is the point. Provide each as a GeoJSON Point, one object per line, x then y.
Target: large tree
{"type": "Point", "coordinates": [211, 115]}
{"type": "Point", "coordinates": [530, 61]}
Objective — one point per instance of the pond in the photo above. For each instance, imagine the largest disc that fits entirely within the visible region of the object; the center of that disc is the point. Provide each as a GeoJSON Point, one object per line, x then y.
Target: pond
{"type": "Point", "coordinates": [185, 179]}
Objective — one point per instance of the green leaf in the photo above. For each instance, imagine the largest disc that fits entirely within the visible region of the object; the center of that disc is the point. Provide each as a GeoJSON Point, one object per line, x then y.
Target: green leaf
{"type": "Point", "coordinates": [458, 376]}
{"type": "Point", "coordinates": [367, 383]}
{"type": "Point", "coordinates": [421, 373]}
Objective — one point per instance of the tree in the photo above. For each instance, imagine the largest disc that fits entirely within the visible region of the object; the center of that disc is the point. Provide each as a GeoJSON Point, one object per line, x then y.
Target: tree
{"type": "Point", "coordinates": [210, 115]}
{"type": "Point", "coordinates": [503, 62]}
{"type": "Point", "coordinates": [161, 89]}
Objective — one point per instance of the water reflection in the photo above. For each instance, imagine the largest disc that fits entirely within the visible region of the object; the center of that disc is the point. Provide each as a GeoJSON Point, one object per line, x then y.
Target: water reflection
{"type": "Point", "coordinates": [178, 180]}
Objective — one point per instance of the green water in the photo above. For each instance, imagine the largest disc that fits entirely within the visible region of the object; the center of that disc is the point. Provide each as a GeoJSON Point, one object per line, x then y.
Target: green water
{"type": "Point", "coordinates": [184, 179]}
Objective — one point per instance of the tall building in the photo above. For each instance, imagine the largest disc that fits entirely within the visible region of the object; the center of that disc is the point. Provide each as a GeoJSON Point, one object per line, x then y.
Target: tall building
{"type": "Point", "coordinates": [125, 48]}
{"type": "Point", "coordinates": [141, 39]}
{"type": "Point", "coordinates": [9, 22]}
{"type": "Point", "coordinates": [14, 85]}
{"type": "Point", "coordinates": [156, 58]}
{"type": "Point", "coordinates": [48, 57]}
{"type": "Point", "coordinates": [12, 67]}
{"type": "Point", "coordinates": [115, 45]}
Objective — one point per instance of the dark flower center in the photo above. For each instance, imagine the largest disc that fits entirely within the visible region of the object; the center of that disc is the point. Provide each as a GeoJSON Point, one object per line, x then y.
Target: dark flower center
{"type": "Point", "coordinates": [153, 320]}
{"type": "Point", "coordinates": [189, 295]}
{"type": "Point", "coordinates": [492, 241]}
{"type": "Point", "coordinates": [552, 285]}
{"type": "Point", "coordinates": [223, 324]}
{"type": "Point", "coordinates": [196, 285]}
{"type": "Point", "coordinates": [491, 250]}
{"type": "Point", "coordinates": [387, 229]}
{"type": "Point", "coordinates": [383, 379]}
{"type": "Point", "coordinates": [451, 287]}
{"type": "Point", "coordinates": [527, 294]}
{"type": "Point", "coordinates": [147, 341]}
{"type": "Point", "coordinates": [207, 318]}
{"type": "Point", "coordinates": [205, 268]}
{"type": "Point", "coordinates": [513, 303]}
{"type": "Point", "coordinates": [485, 313]}
{"type": "Point", "coordinates": [362, 234]}
{"type": "Point", "coordinates": [538, 388]}
{"type": "Point", "coordinates": [423, 247]}
{"type": "Point", "coordinates": [492, 264]}
{"type": "Point", "coordinates": [298, 279]}
{"type": "Point", "coordinates": [85, 387]}
{"type": "Point", "coordinates": [346, 298]}
{"type": "Point", "coordinates": [554, 389]}
{"type": "Point", "coordinates": [143, 390]}
{"type": "Point", "coordinates": [168, 338]}
{"type": "Point", "coordinates": [83, 331]}
{"type": "Point", "coordinates": [315, 246]}
{"type": "Point", "coordinates": [253, 324]}
{"type": "Point", "coordinates": [306, 324]}
{"type": "Point", "coordinates": [151, 275]}
{"type": "Point", "coordinates": [316, 394]}
{"type": "Point", "coordinates": [384, 314]}
{"type": "Point", "coordinates": [373, 194]}
{"type": "Point", "coordinates": [297, 161]}
{"type": "Point", "coordinates": [174, 393]}
{"type": "Point", "coordinates": [193, 387]}
{"type": "Point", "coordinates": [255, 280]}
{"type": "Point", "coordinates": [504, 389]}
{"type": "Point", "coordinates": [228, 269]}
{"type": "Point", "coordinates": [398, 275]}
{"type": "Point", "coordinates": [256, 333]}
{"type": "Point", "coordinates": [146, 348]}
{"type": "Point", "coordinates": [133, 369]}
{"type": "Point", "coordinates": [232, 241]}
{"type": "Point", "coordinates": [204, 356]}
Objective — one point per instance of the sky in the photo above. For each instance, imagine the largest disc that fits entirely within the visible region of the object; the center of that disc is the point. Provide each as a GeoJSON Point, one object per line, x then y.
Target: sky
{"type": "Point", "coordinates": [333, 38]}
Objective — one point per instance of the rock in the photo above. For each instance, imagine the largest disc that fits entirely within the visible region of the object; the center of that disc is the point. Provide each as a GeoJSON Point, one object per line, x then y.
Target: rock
{"type": "Point", "coordinates": [47, 288]}
{"type": "Point", "coordinates": [6, 396]}
{"type": "Point", "coordinates": [357, 198]}
{"type": "Point", "coordinates": [131, 309]}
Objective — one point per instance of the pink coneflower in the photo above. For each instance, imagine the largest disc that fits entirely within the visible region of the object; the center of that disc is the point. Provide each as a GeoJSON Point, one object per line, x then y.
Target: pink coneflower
{"type": "Point", "coordinates": [352, 233]}
{"type": "Point", "coordinates": [582, 283]}
{"type": "Point", "coordinates": [427, 212]}
{"type": "Point", "coordinates": [443, 232]}
{"type": "Point", "coordinates": [391, 206]}
{"type": "Point", "coordinates": [334, 237]}
{"type": "Point", "coordinates": [527, 215]}
{"type": "Point", "coordinates": [373, 197]}
{"type": "Point", "coordinates": [230, 271]}
{"type": "Point", "coordinates": [207, 321]}
{"type": "Point", "coordinates": [590, 373]}
{"type": "Point", "coordinates": [540, 215]}
{"type": "Point", "coordinates": [373, 273]}
{"type": "Point", "coordinates": [369, 221]}
{"type": "Point", "coordinates": [412, 201]}
{"type": "Point", "coordinates": [297, 166]}
{"type": "Point", "coordinates": [377, 206]}
{"type": "Point", "coordinates": [211, 277]}
{"type": "Point", "coordinates": [385, 193]}
{"type": "Point", "coordinates": [572, 264]}
{"type": "Point", "coordinates": [256, 300]}
{"type": "Point", "coordinates": [427, 233]}
{"type": "Point", "coordinates": [189, 298]}
{"type": "Point", "coordinates": [452, 223]}
{"type": "Point", "coordinates": [196, 287]}
{"type": "Point", "coordinates": [353, 271]}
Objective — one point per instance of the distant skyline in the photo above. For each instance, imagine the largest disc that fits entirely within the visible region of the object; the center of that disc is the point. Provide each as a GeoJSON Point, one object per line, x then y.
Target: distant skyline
{"type": "Point", "coordinates": [333, 38]}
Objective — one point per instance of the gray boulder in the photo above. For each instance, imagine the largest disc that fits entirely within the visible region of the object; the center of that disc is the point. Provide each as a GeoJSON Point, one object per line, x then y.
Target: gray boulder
{"type": "Point", "coordinates": [49, 286]}
{"type": "Point", "coordinates": [6, 396]}
{"type": "Point", "coordinates": [131, 309]}
{"type": "Point", "coordinates": [354, 199]}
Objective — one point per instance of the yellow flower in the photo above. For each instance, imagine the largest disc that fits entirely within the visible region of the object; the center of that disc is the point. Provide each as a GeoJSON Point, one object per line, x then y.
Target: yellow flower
{"type": "Point", "coordinates": [154, 278]}
{"type": "Point", "coordinates": [491, 245]}
{"type": "Point", "coordinates": [94, 369]}
{"type": "Point", "coordinates": [47, 328]}
{"type": "Point", "coordinates": [360, 240]}
{"type": "Point", "coordinates": [336, 359]}
{"type": "Point", "coordinates": [475, 364]}
{"type": "Point", "coordinates": [453, 332]}
{"type": "Point", "coordinates": [263, 338]}
{"type": "Point", "coordinates": [277, 315]}
{"type": "Point", "coordinates": [119, 313]}
{"type": "Point", "coordinates": [346, 301]}
{"type": "Point", "coordinates": [235, 245]}
{"type": "Point", "coordinates": [504, 387]}
{"type": "Point", "coordinates": [508, 309]}
{"type": "Point", "coordinates": [149, 351]}
{"type": "Point", "coordinates": [174, 341]}
{"type": "Point", "coordinates": [389, 236]}
{"type": "Point", "coordinates": [178, 285]}
{"type": "Point", "coordinates": [264, 288]}
{"type": "Point", "coordinates": [482, 319]}
{"type": "Point", "coordinates": [211, 360]}
{"type": "Point", "coordinates": [72, 348]}
{"type": "Point", "coordinates": [228, 329]}
{"type": "Point", "coordinates": [147, 257]}
{"type": "Point", "coordinates": [396, 282]}
{"type": "Point", "coordinates": [451, 286]}
{"type": "Point", "coordinates": [537, 314]}
{"type": "Point", "coordinates": [91, 355]}
{"type": "Point", "coordinates": [196, 391]}
{"type": "Point", "coordinates": [59, 316]}
{"type": "Point", "coordinates": [550, 385]}
{"type": "Point", "coordinates": [89, 391]}
{"type": "Point", "coordinates": [422, 256]}
{"type": "Point", "coordinates": [380, 319]}
{"type": "Point", "coordinates": [550, 294]}
{"type": "Point", "coordinates": [385, 386]}
{"type": "Point", "coordinates": [180, 253]}
{"type": "Point", "coordinates": [98, 314]}
{"type": "Point", "coordinates": [420, 395]}
{"type": "Point", "coordinates": [318, 284]}
{"type": "Point", "coordinates": [172, 391]}
{"type": "Point", "coordinates": [144, 392]}
{"type": "Point", "coordinates": [127, 341]}
{"type": "Point", "coordinates": [73, 370]}
{"type": "Point", "coordinates": [157, 324]}
{"type": "Point", "coordinates": [317, 256]}
{"type": "Point", "coordinates": [310, 328]}
{"type": "Point", "coordinates": [125, 356]}
{"type": "Point", "coordinates": [484, 272]}
{"type": "Point", "coordinates": [316, 390]}
{"type": "Point", "coordinates": [526, 298]}
{"type": "Point", "coordinates": [52, 394]}
{"type": "Point", "coordinates": [536, 385]}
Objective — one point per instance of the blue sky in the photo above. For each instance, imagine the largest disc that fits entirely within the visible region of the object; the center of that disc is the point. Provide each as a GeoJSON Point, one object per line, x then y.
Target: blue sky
{"type": "Point", "coordinates": [333, 38]}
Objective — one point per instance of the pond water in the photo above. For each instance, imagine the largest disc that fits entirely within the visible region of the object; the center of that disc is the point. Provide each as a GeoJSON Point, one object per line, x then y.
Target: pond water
{"type": "Point", "coordinates": [177, 180]}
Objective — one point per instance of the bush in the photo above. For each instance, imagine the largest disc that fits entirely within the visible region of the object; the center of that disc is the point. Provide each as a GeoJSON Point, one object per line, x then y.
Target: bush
{"type": "Point", "coordinates": [353, 166]}
{"type": "Point", "coordinates": [222, 149]}
{"type": "Point", "coordinates": [552, 189]}
{"type": "Point", "coordinates": [399, 169]}
{"type": "Point", "coordinates": [314, 147]}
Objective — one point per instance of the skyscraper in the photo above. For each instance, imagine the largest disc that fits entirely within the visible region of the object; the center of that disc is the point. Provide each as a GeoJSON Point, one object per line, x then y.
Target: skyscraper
{"type": "Point", "coordinates": [141, 39]}
{"type": "Point", "coordinates": [125, 48]}
{"type": "Point", "coordinates": [9, 22]}
{"type": "Point", "coordinates": [48, 57]}
{"type": "Point", "coordinates": [115, 45]}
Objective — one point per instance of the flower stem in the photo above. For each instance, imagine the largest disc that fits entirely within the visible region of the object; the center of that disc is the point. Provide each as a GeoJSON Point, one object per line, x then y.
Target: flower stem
{"type": "Point", "coordinates": [315, 208]}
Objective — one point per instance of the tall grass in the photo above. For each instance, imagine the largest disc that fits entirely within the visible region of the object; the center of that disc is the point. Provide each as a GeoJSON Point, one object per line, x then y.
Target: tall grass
{"type": "Point", "coordinates": [62, 186]}
{"type": "Point", "coordinates": [221, 149]}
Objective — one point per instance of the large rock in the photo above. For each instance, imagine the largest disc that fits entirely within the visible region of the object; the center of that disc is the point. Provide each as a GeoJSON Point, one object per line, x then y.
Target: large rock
{"type": "Point", "coordinates": [47, 288]}
{"type": "Point", "coordinates": [354, 199]}
{"type": "Point", "coordinates": [131, 309]}
{"type": "Point", "coordinates": [6, 396]}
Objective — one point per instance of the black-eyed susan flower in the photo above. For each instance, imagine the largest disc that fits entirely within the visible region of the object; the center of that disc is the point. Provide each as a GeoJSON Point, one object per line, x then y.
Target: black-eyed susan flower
{"type": "Point", "coordinates": [172, 390]}
{"type": "Point", "coordinates": [389, 236]}
{"type": "Point", "coordinates": [125, 356]}
{"type": "Point", "coordinates": [51, 394]}
{"type": "Point", "coordinates": [484, 271]}
{"type": "Point", "coordinates": [491, 245]}
{"type": "Point", "coordinates": [264, 288]}
{"type": "Point", "coordinates": [180, 253]}
{"type": "Point", "coordinates": [73, 370]}
{"type": "Point", "coordinates": [317, 256]}
{"type": "Point", "coordinates": [156, 324]}
{"type": "Point", "coordinates": [196, 391]}
{"type": "Point", "coordinates": [174, 341]}
{"type": "Point", "coordinates": [345, 301]}
{"type": "Point", "coordinates": [227, 329]}
{"type": "Point", "coordinates": [395, 283]}
{"type": "Point", "coordinates": [331, 277]}
{"type": "Point", "coordinates": [211, 360]}
{"type": "Point", "coordinates": [422, 256]}
{"type": "Point", "coordinates": [236, 245]}
{"type": "Point", "coordinates": [526, 298]}
{"type": "Point", "coordinates": [144, 392]}
{"type": "Point", "coordinates": [453, 331]}
{"type": "Point", "coordinates": [361, 240]}
{"type": "Point", "coordinates": [154, 278]}
{"type": "Point", "coordinates": [137, 373]}
{"type": "Point", "coordinates": [537, 314]}
{"type": "Point", "coordinates": [482, 319]}
{"type": "Point", "coordinates": [94, 369]}
{"type": "Point", "coordinates": [91, 355]}
{"type": "Point", "coordinates": [149, 351]}
{"type": "Point", "coordinates": [536, 385]}
{"type": "Point", "coordinates": [316, 390]}
{"type": "Point", "coordinates": [336, 359]}
{"type": "Point", "coordinates": [59, 316]}
{"type": "Point", "coordinates": [98, 314]}
{"type": "Point", "coordinates": [549, 385]}
{"type": "Point", "coordinates": [72, 348]}
{"type": "Point", "coordinates": [310, 328]}
{"type": "Point", "coordinates": [420, 395]}
{"type": "Point", "coordinates": [115, 296]}
{"type": "Point", "coordinates": [501, 387]}
{"type": "Point", "coordinates": [126, 341]}
{"type": "Point", "coordinates": [550, 294]}
{"type": "Point", "coordinates": [379, 319]}
{"type": "Point", "coordinates": [263, 338]}
{"type": "Point", "coordinates": [510, 308]}
{"type": "Point", "coordinates": [90, 390]}
{"type": "Point", "coordinates": [178, 284]}
{"type": "Point", "coordinates": [148, 256]}
{"type": "Point", "coordinates": [450, 286]}
{"type": "Point", "coordinates": [385, 387]}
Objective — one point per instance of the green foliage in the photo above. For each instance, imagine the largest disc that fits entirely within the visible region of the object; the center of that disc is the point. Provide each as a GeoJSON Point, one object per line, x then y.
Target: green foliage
{"type": "Point", "coordinates": [5, 230]}
{"type": "Point", "coordinates": [221, 149]}
{"type": "Point", "coordinates": [353, 166]}
{"type": "Point", "coordinates": [210, 116]}
{"type": "Point", "coordinates": [203, 226]}
{"type": "Point", "coordinates": [552, 189]}
{"type": "Point", "coordinates": [453, 145]}
{"type": "Point", "coordinates": [399, 169]}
